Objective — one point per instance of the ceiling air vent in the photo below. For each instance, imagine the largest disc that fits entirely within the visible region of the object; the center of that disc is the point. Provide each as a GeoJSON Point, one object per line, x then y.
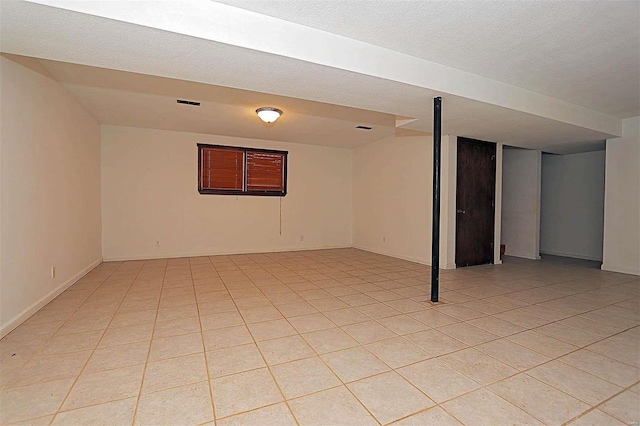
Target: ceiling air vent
{"type": "Point", "coordinates": [364, 127]}
{"type": "Point", "coordinates": [193, 103]}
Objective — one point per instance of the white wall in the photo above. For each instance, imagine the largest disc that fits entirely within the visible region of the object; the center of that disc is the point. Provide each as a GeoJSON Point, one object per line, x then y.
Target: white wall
{"type": "Point", "coordinates": [521, 180]}
{"type": "Point", "coordinates": [622, 201]}
{"type": "Point", "coordinates": [50, 180]}
{"type": "Point", "coordinates": [572, 205]}
{"type": "Point", "coordinates": [149, 194]}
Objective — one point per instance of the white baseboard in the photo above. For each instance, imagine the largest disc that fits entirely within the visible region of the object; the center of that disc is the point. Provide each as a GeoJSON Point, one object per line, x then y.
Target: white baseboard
{"type": "Point", "coordinates": [213, 253]}
{"type": "Point", "coordinates": [24, 315]}
{"type": "Point", "coordinates": [523, 256]}
{"type": "Point", "coordinates": [409, 258]}
{"type": "Point", "coordinates": [572, 255]}
{"type": "Point", "coordinates": [621, 269]}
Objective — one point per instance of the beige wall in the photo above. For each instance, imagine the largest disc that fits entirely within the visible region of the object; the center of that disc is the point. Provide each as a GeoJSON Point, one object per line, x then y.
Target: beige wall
{"type": "Point", "coordinates": [149, 194]}
{"type": "Point", "coordinates": [392, 181]}
{"type": "Point", "coordinates": [521, 202]}
{"type": "Point", "coordinates": [50, 188]}
{"type": "Point", "coordinates": [392, 198]}
{"type": "Point", "coordinates": [572, 205]}
{"type": "Point", "coordinates": [622, 201]}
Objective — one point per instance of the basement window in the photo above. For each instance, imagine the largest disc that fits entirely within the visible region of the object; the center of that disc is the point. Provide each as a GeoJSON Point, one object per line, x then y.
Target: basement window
{"type": "Point", "coordinates": [230, 170]}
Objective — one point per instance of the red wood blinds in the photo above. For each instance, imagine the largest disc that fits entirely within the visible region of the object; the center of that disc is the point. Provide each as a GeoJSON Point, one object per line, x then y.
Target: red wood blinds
{"type": "Point", "coordinates": [265, 171]}
{"type": "Point", "coordinates": [222, 168]}
{"type": "Point", "coordinates": [241, 171]}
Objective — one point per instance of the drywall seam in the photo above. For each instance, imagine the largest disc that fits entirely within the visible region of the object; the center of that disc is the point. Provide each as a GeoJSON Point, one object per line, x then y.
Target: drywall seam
{"type": "Point", "coordinates": [24, 315]}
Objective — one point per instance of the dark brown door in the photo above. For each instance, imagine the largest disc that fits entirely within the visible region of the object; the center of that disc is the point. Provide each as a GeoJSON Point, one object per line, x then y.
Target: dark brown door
{"type": "Point", "coordinates": [475, 202]}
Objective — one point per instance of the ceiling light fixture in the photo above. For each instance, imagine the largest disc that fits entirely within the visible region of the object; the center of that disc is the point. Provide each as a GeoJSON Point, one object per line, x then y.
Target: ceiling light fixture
{"type": "Point", "coordinates": [268, 114]}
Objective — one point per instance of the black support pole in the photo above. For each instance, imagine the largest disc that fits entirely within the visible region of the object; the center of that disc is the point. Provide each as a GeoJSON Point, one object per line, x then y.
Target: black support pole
{"type": "Point", "coordinates": [435, 232]}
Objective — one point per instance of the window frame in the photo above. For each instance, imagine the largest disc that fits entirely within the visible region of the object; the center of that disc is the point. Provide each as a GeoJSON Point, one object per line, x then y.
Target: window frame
{"type": "Point", "coordinates": [244, 191]}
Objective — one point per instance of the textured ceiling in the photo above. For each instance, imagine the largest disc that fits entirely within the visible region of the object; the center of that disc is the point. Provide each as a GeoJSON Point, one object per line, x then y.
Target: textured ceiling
{"type": "Point", "coordinates": [139, 100]}
{"type": "Point", "coordinates": [143, 39]}
{"type": "Point", "coordinates": [583, 52]}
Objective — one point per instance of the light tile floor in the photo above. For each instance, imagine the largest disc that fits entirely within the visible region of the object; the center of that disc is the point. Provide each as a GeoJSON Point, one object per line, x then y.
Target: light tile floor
{"type": "Point", "coordinates": [330, 337]}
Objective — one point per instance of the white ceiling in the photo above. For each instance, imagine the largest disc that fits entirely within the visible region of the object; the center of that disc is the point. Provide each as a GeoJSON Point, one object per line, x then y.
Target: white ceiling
{"type": "Point", "coordinates": [207, 42]}
{"type": "Point", "coordinates": [583, 52]}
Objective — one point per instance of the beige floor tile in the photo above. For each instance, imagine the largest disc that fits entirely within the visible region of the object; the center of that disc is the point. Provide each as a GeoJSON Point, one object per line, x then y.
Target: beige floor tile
{"type": "Point", "coordinates": [354, 364]}
{"type": "Point", "coordinates": [33, 401]}
{"type": "Point", "coordinates": [512, 354]}
{"type": "Point", "coordinates": [51, 367]}
{"type": "Point", "coordinates": [256, 387]}
{"type": "Point", "coordinates": [541, 343]}
{"type": "Point", "coordinates": [478, 366]}
{"type": "Point", "coordinates": [273, 415]}
{"type": "Point", "coordinates": [40, 421]}
{"type": "Point", "coordinates": [577, 383]}
{"type": "Point", "coordinates": [624, 407]}
{"type": "Point", "coordinates": [226, 337]}
{"type": "Point", "coordinates": [389, 397]}
{"type": "Point", "coordinates": [170, 347]}
{"type": "Point", "coordinates": [267, 313]}
{"type": "Point", "coordinates": [397, 352]}
{"type": "Point", "coordinates": [432, 416]}
{"type": "Point", "coordinates": [290, 310]}
{"type": "Point", "coordinates": [211, 308]}
{"type": "Point", "coordinates": [496, 326]}
{"type": "Point", "coordinates": [434, 318]}
{"type": "Point", "coordinates": [112, 357]}
{"type": "Point", "coordinates": [329, 340]}
{"type": "Point", "coordinates": [606, 368]}
{"type": "Point", "coordinates": [435, 343]}
{"type": "Point", "coordinates": [460, 312]}
{"type": "Point", "coordinates": [285, 349]}
{"type": "Point", "coordinates": [378, 310]}
{"type": "Point", "coordinates": [111, 413]}
{"type": "Point", "coordinates": [233, 360]}
{"type": "Point", "coordinates": [71, 343]}
{"type": "Point", "coordinates": [271, 329]}
{"type": "Point", "coordinates": [178, 312]}
{"type": "Point", "coordinates": [368, 332]}
{"type": "Point", "coordinates": [484, 408]}
{"type": "Point", "coordinates": [312, 322]}
{"type": "Point", "coordinates": [174, 372]}
{"type": "Point", "coordinates": [403, 324]}
{"type": "Point", "coordinates": [305, 376]}
{"type": "Point", "coordinates": [406, 306]}
{"type": "Point", "coordinates": [221, 320]}
{"type": "Point", "coordinates": [596, 418]}
{"type": "Point", "coordinates": [328, 304]}
{"type": "Point", "coordinates": [567, 334]}
{"type": "Point", "coordinates": [186, 405]}
{"type": "Point", "coordinates": [467, 333]}
{"type": "Point", "coordinates": [619, 350]}
{"type": "Point", "coordinates": [438, 380]}
{"type": "Point", "coordinates": [346, 316]}
{"type": "Point", "coordinates": [176, 327]}
{"type": "Point", "coordinates": [538, 399]}
{"type": "Point", "coordinates": [125, 335]}
{"type": "Point", "coordinates": [330, 407]}
{"type": "Point", "coordinates": [127, 319]}
{"type": "Point", "coordinates": [104, 386]}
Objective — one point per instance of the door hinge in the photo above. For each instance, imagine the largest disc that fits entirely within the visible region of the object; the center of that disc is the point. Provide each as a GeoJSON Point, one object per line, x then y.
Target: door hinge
{"type": "Point", "coordinates": [493, 203]}
{"type": "Point", "coordinates": [491, 245]}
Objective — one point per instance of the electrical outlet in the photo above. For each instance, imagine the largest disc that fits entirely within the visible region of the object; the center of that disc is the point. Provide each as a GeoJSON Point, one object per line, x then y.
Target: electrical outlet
{"type": "Point", "coordinates": [157, 243]}
{"type": "Point", "coordinates": [301, 237]}
{"type": "Point", "coordinates": [53, 272]}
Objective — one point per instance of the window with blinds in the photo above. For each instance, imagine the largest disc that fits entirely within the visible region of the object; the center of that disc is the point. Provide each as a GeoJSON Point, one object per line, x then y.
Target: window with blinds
{"type": "Point", "coordinates": [230, 170]}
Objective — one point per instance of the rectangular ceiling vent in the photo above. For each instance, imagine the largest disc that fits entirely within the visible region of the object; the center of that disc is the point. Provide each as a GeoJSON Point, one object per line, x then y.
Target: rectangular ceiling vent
{"type": "Point", "coordinates": [364, 127]}
{"type": "Point", "coordinates": [193, 103]}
